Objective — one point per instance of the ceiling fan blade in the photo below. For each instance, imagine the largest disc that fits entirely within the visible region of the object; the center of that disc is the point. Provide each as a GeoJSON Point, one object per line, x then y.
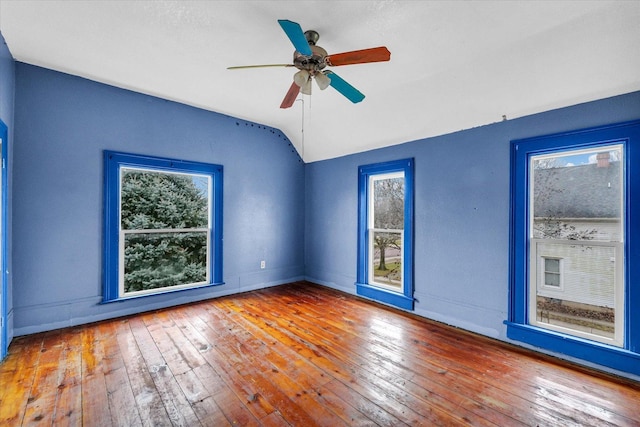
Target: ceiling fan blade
{"type": "Point", "coordinates": [239, 67]}
{"type": "Point", "coordinates": [375, 54]}
{"type": "Point", "coordinates": [296, 35]}
{"type": "Point", "coordinates": [291, 96]}
{"type": "Point", "coordinates": [350, 92]}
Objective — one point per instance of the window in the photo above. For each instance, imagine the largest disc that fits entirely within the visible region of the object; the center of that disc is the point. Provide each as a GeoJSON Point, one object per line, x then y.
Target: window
{"type": "Point", "coordinates": [385, 233]}
{"type": "Point", "coordinates": [573, 255]}
{"type": "Point", "coordinates": [163, 225]}
{"type": "Point", "coordinates": [552, 273]}
{"type": "Point", "coordinates": [576, 198]}
{"type": "Point", "coordinates": [386, 230]}
{"type": "Point", "coordinates": [4, 342]}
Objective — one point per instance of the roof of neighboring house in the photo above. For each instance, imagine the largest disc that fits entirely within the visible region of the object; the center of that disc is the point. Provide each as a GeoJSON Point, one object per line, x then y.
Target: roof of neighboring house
{"type": "Point", "coordinates": [584, 191]}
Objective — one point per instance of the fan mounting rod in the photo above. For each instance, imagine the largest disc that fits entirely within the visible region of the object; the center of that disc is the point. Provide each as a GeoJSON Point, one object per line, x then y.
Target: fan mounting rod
{"type": "Point", "coordinates": [312, 37]}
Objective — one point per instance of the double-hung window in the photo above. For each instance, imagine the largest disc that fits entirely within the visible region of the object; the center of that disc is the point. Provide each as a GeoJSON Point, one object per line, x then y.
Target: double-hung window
{"type": "Point", "coordinates": [385, 233]}
{"type": "Point", "coordinates": [575, 262]}
{"type": "Point", "coordinates": [552, 272]}
{"type": "Point", "coordinates": [163, 225]}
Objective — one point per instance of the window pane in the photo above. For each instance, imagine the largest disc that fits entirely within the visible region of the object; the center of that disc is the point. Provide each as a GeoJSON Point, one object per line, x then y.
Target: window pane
{"type": "Point", "coordinates": [587, 300]}
{"type": "Point", "coordinates": [386, 262]}
{"type": "Point", "coordinates": [552, 279]}
{"type": "Point", "coordinates": [577, 218]}
{"type": "Point", "coordinates": [160, 260]}
{"type": "Point", "coordinates": [552, 265]}
{"type": "Point", "coordinates": [577, 195]}
{"type": "Point", "coordinates": [159, 200]}
{"type": "Point", "coordinates": [388, 203]}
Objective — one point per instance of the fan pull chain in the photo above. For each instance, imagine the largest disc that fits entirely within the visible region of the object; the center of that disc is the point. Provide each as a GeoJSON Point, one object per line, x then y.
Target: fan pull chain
{"type": "Point", "coordinates": [302, 128]}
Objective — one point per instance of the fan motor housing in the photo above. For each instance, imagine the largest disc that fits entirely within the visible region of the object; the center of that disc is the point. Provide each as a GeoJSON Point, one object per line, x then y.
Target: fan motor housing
{"type": "Point", "coordinates": [314, 63]}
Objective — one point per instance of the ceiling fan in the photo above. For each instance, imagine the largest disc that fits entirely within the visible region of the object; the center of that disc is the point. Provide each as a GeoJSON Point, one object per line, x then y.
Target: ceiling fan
{"type": "Point", "coordinates": [311, 61]}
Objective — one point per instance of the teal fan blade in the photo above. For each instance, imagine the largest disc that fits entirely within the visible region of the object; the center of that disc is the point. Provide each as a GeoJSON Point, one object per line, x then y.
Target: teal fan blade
{"type": "Point", "coordinates": [339, 84]}
{"type": "Point", "coordinates": [296, 35]}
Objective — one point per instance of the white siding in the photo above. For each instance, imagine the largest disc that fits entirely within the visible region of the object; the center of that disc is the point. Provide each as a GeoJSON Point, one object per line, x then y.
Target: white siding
{"type": "Point", "coordinates": [588, 270]}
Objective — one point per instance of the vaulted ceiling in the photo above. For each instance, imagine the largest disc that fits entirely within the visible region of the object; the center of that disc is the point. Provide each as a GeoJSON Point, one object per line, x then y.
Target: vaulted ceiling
{"type": "Point", "coordinates": [454, 64]}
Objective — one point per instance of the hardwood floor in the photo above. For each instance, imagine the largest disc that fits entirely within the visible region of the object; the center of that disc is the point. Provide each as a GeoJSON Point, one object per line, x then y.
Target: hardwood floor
{"type": "Point", "coordinates": [299, 355]}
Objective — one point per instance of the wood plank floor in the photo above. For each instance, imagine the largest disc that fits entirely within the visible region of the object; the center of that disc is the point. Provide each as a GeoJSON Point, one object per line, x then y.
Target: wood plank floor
{"type": "Point", "coordinates": [296, 355]}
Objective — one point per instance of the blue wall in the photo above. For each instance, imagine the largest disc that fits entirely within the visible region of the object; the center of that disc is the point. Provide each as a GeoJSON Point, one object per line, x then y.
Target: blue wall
{"type": "Point", "coordinates": [63, 124]}
{"type": "Point", "coordinates": [461, 213]}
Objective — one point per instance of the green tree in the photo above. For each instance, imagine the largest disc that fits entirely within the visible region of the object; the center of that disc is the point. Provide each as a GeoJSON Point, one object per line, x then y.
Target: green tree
{"type": "Point", "coordinates": [154, 201]}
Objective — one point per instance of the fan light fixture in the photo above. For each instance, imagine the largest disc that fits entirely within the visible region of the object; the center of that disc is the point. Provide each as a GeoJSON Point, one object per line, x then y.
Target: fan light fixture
{"type": "Point", "coordinates": [322, 80]}
{"type": "Point", "coordinates": [303, 79]}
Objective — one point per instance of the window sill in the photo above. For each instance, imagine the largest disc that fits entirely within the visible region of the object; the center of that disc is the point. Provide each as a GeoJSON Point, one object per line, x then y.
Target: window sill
{"type": "Point", "coordinates": [163, 292]}
{"type": "Point", "coordinates": [384, 296]}
{"type": "Point", "coordinates": [591, 351]}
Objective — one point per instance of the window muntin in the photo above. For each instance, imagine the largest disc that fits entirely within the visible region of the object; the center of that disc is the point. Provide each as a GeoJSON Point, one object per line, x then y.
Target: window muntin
{"type": "Point", "coordinates": [163, 225]}
{"type": "Point", "coordinates": [576, 223]}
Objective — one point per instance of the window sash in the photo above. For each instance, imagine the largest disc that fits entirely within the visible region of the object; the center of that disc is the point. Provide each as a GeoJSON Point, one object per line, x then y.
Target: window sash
{"type": "Point", "coordinates": [537, 281]}
{"type": "Point", "coordinates": [122, 263]}
{"type": "Point", "coordinates": [583, 325]}
{"type": "Point", "coordinates": [371, 231]}
{"type": "Point", "coordinates": [372, 260]}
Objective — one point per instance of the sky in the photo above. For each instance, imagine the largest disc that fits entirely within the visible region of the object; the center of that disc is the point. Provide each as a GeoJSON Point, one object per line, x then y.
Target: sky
{"type": "Point", "coordinates": [582, 157]}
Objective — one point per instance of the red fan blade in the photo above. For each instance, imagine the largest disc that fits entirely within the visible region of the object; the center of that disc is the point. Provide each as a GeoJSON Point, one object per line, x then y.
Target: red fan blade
{"type": "Point", "coordinates": [291, 96]}
{"type": "Point", "coordinates": [375, 54]}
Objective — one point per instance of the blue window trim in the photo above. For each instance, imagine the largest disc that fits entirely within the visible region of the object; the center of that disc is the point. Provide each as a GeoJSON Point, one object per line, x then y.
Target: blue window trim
{"type": "Point", "coordinates": [626, 359]}
{"type": "Point", "coordinates": [3, 227]}
{"type": "Point", "coordinates": [113, 161]}
{"type": "Point", "coordinates": [403, 300]}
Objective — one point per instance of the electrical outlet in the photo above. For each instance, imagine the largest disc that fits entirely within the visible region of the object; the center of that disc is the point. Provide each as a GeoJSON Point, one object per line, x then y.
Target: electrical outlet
{"type": "Point", "coordinates": [263, 264]}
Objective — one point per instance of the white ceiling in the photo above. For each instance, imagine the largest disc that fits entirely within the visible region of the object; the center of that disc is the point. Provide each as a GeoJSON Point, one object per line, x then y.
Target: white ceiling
{"type": "Point", "coordinates": [454, 64]}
